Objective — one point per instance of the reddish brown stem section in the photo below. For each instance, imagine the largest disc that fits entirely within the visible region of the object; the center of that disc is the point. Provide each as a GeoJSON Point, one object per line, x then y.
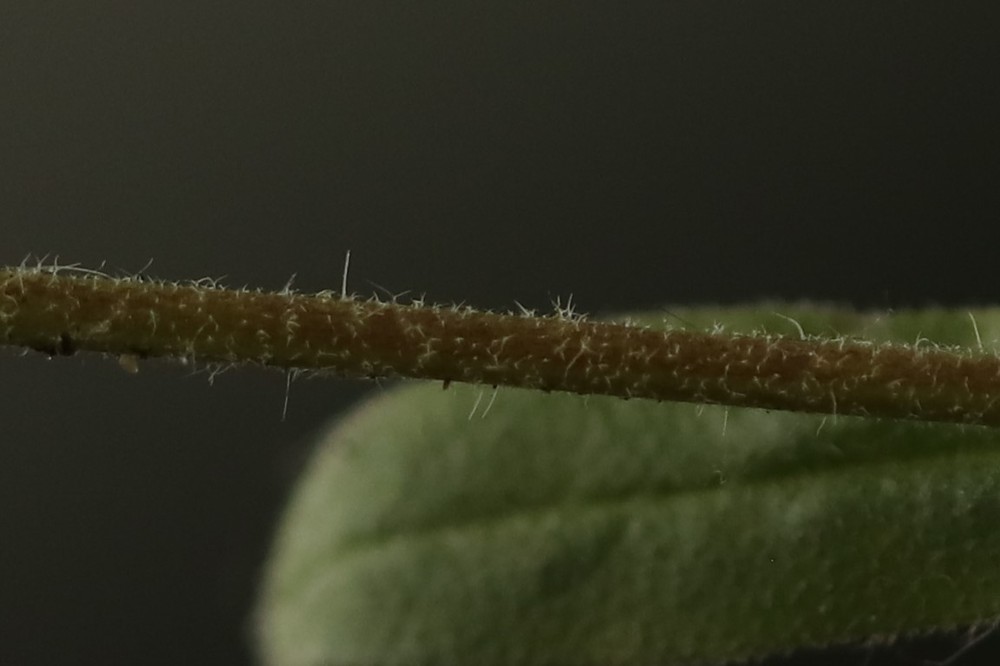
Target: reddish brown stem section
{"type": "Point", "coordinates": [60, 313]}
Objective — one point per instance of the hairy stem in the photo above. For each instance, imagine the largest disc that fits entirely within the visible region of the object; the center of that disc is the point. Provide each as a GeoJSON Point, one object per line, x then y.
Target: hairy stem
{"type": "Point", "coordinates": [57, 312]}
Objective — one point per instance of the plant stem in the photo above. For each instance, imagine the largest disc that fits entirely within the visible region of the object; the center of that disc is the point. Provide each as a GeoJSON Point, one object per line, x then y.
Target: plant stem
{"type": "Point", "coordinates": [59, 313]}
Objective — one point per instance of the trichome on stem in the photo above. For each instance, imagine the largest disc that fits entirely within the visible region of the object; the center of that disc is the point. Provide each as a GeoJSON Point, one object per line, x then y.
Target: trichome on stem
{"type": "Point", "coordinates": [60, 312]}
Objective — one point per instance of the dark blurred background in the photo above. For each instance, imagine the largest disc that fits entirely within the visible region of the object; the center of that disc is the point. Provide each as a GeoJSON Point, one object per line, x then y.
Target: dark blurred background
{"type": "Point", "coordinates": [632, 154]}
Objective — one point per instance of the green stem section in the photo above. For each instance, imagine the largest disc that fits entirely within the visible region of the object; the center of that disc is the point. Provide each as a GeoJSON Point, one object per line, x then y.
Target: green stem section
{"type": "Point", "coordinates": [60, 313]}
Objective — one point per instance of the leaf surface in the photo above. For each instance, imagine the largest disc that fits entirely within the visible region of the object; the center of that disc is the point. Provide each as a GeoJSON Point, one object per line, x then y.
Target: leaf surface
{"type": "Point", "coordinates": [559, 529]}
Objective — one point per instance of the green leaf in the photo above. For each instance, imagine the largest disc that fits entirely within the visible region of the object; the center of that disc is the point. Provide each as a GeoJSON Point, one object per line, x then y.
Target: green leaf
{"type": "Point", "coordinates": [565, 530]}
